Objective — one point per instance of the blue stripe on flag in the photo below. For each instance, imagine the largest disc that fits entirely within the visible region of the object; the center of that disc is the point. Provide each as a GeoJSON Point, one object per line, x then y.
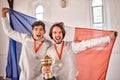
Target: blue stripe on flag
{"type": "Point", "coordinates": [22, 23]}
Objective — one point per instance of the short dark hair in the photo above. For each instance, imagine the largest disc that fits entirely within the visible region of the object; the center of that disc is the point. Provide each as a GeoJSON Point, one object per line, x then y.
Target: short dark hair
{"type": "Point", "coordinates": [61, 26]}
{"type": "Point", "coordinates": [37, 23]}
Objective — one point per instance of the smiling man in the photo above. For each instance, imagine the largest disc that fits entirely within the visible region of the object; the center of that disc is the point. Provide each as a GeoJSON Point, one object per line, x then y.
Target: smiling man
{"type": "Point", "coordinates": [63, 52]}
{"type": "Point", "coordinates": [33, 47]}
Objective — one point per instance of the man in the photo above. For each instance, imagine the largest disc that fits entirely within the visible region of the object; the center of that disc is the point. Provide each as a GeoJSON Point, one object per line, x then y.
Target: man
{"type": "Point", "coordinates": [33, 47]}
{"type": "Point", "coordinates": [63, 52]}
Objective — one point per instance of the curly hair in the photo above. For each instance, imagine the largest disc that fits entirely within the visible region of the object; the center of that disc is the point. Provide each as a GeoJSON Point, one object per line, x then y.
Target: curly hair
{"type": "Point", "coordinates": [61, 26]}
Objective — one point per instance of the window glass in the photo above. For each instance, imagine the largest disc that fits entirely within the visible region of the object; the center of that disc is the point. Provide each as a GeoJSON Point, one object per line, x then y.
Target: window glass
{"type": "Point", "coordinates": [39, 12]}
{"type": "Point", "coordinates": [96, 2]}
{"type": "Point", "coordinates": [97, 14]}
{"type": "Point", "coordinates": [98, 26]}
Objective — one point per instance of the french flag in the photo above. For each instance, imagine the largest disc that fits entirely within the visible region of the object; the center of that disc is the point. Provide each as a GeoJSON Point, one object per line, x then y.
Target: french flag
{"type": "Point", "coordinates": [92, 63]}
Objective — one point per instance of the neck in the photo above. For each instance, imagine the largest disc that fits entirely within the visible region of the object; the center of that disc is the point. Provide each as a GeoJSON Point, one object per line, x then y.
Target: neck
{"type": "Point", "coordinates": [39, 39]}
{"type": "Point", "coordinates": [59, 42]}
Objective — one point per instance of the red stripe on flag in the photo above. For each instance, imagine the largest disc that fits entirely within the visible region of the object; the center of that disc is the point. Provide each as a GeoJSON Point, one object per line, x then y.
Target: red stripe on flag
{"type": "Point", "coordinates": [93, 63]}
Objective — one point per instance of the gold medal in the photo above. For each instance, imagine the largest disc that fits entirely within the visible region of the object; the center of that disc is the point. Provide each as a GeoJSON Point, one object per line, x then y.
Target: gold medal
{"type": "Point", "coordinates": [60, 64]}
{"type": "Point", "coordinates": [59, 53]}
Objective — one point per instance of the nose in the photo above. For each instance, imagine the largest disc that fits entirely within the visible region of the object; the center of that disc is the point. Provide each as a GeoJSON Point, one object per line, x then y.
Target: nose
{"type": "Point", "coordinates": [38, 31]}
{"type": "Point", "coordinates": [57, 34]}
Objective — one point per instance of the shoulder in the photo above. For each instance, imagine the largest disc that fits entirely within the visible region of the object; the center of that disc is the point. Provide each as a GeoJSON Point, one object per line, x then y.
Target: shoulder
{"type": "Point", "coordinates": [26, 35]}
{"type": "Point", "coordinates": [68, 43]}
{"type": "Point", "coordinates": [47, 41]}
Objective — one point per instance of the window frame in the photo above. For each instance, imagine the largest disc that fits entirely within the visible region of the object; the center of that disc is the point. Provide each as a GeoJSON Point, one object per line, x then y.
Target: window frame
{"type": "Point", "coordinates": [102, 13]}
{"type": "Point", "coordinates": [39, 13]}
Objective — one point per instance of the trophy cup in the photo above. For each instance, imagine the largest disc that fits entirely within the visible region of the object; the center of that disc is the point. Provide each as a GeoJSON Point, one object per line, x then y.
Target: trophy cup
{"type": "Point", "coordinates": [47, 62]}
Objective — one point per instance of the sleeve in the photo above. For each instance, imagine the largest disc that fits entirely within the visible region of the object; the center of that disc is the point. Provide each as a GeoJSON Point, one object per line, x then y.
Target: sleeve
{"type": "Point", "coordinates": [80, 46]}
{"type": "Point", "coordinates": [15, 35]}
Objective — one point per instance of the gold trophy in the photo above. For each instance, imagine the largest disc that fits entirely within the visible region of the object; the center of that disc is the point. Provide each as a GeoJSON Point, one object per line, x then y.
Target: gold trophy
{"type": "Point", "coordinates": [47, 62]}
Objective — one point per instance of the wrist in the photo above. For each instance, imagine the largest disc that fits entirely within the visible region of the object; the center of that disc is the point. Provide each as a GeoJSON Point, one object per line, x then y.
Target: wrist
{"type": "Point", "coordinates": [4, 15]}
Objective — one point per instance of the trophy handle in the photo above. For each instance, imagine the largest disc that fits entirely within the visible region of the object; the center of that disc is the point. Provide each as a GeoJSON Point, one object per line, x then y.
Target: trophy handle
{"type": "Point", "coordinates": [53, 61]}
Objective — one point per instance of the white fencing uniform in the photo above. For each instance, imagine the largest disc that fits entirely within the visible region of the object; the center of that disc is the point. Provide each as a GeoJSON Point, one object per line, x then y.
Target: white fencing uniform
{"type": "Point", "coordinates": [29, 60]}
{"type": "Point", "coordinates": [68, 69]}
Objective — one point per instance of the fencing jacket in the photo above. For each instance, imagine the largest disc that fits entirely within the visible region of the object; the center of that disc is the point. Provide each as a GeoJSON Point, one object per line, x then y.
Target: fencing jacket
{"type": "Point", "coordinates": [29, 60]}
{"type": "Point", "coordinates": [65, 68]}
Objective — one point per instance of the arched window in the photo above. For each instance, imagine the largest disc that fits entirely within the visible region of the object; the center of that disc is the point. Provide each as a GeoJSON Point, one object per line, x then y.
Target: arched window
{"type": "Point", "coordinates": [97, 14]}
{"type": "Point", "coordinates": [39, 12]}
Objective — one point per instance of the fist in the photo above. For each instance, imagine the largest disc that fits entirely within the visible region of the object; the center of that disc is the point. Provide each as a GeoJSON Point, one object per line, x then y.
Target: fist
{"type": "Point", "coordinates": [46, 69]}
{"type": "Point", "coordinates": [4, 11]}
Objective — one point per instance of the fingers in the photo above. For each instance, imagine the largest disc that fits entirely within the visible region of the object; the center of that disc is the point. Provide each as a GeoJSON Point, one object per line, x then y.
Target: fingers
{"type": "Point", "coordinates": [46, 69]}
{"type": "Point", "coordinates": [4, 11]}
{"type": "Point", "coordinates": [113, 35]}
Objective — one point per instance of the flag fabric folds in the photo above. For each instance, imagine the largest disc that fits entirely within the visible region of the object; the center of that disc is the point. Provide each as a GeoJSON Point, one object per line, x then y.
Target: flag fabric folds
{"type": "Point", "coordinates": [92, 63]}
{"type": "Point", "coordinates": [21, 23]}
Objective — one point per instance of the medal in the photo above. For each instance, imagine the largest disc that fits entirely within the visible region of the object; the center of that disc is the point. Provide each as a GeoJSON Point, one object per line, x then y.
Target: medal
{"type": "Point", "coordinates": [59, 54]}
{"type": "Point", "coordinates": [36, 48]}
{"type": "Point", "coordinates": [60, 64]}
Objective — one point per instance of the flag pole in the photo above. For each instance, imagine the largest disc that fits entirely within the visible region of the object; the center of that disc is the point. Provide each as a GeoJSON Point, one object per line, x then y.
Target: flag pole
{"type": "Point", "coordinates": [10, 2]}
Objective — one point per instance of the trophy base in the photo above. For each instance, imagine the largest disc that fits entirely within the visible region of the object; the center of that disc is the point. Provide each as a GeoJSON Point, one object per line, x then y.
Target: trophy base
{"type": "Point", "coordinates": [53, 78]}
{"type": "Point", "coordinates": [48, 75]}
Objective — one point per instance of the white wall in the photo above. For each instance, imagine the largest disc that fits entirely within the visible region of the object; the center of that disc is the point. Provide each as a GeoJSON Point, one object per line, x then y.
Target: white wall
{"type": "Point", "coordinates": [77, 13]}
{"type": "Point", "coordinates": [113, 18]}
{"type": "Point", "coordinates": [114, 68]}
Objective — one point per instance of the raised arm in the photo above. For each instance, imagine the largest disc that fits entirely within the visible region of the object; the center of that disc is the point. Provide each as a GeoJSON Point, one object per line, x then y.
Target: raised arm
{"type": "Point", "coordinates": [83, 45]}
{"type": "Point", "coordinates": [7, 28]}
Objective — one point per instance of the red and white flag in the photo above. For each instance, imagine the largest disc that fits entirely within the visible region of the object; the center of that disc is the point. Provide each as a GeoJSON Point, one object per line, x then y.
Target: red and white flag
{"type": "Point", "coordinates": [93, 63]}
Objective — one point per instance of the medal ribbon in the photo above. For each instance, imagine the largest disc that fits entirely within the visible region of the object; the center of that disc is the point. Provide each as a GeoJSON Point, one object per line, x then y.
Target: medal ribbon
{"type": "Point", "coordinates": [36, 48]}
{"type": "Point", "coordinates": [61, 50]}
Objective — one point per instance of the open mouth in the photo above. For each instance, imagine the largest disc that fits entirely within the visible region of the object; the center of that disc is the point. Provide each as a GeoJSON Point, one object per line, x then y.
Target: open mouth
{"type": "Point", "coordinates": [38, 35]}
{"type": "Point", "coordinates": [58, 38]}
